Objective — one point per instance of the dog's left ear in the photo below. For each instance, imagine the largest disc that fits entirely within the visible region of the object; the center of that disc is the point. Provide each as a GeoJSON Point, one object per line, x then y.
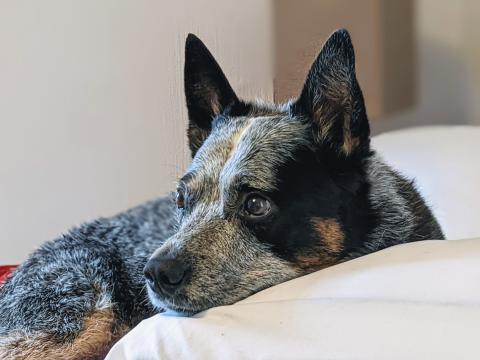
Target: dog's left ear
{"type": "Point", "coordinates": [332, 101]}
{"type": "Point", "coordinates": [207, 91]}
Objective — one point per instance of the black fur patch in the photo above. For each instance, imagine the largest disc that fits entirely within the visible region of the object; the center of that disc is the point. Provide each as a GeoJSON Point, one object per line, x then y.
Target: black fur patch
{"type": "Point", "coordinates": [313, 185]}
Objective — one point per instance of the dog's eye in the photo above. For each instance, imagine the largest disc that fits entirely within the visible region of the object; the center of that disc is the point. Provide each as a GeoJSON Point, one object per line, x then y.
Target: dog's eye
{"type": "Point", "coordinates": [256, 205]}
{"type": "Point", "coordinates": [180, 199]}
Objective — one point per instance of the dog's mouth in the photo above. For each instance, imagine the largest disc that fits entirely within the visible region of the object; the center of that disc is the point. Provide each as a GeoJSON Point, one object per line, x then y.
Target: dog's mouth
{"type": "Point", "coordinates": [178, 304]}
{"type": "Point", "coordinates": [181, 304]}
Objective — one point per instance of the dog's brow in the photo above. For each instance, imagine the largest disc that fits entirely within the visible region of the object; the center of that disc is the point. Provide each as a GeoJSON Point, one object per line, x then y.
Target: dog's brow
{"type": "Point", "coordinates": [246, 183]}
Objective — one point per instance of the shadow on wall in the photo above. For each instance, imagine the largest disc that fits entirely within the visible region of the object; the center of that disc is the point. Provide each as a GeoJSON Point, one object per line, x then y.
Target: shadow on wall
{"type": "Point", "coordinates": [444, 91]}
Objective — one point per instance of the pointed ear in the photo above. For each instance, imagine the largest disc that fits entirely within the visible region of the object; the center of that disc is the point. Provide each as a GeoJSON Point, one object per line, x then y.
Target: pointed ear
{"type": "Point", "coordinates": [332, 101]}
{"type": "Point", "coordinates": [207, 91]}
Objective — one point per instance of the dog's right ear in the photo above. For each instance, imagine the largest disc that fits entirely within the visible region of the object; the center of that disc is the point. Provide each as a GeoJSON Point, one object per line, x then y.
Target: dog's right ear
{"type": "Point", "coordinates": [332, 101]}
{"type": "Point", "coordinates": [207, 91]}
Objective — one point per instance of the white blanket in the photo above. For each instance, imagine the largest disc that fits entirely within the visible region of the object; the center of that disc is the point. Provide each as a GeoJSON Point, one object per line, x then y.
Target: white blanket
{"type": "Point", "coordinates": [413, 301]}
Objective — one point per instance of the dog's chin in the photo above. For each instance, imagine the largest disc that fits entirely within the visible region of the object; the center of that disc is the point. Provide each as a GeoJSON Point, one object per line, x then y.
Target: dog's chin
{"type": "Point", "coordinates": [168, 305]}
{"type": "Point", "coordinates": [180, 305]}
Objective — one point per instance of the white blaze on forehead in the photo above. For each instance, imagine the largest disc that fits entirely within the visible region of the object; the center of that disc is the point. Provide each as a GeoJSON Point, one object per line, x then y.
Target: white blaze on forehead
{"type": "Point", "coordinates": [253, 137]}
{"type": "Point", "coordinates": [239, 134]}
{"type": "Point", "coordinates": [251, 148]}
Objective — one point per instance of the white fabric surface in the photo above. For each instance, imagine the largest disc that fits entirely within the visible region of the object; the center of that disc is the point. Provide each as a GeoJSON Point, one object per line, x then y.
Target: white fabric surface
{"type": "Point", "coordinates": [413, 301]}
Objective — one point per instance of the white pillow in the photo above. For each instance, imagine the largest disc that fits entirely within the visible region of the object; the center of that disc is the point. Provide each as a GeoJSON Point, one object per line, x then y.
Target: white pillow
{"type": "Point", "coordinates": [413, 301]}
{"type": "Point", "coordinates": [445, 162]}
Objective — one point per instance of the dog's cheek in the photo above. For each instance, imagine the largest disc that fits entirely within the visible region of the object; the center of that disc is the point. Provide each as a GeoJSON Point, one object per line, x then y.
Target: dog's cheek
{"type": "Point", "coordinates": [227, 277]}
{"type": "Point", "coordinates": [265, 271]}
{"type": "Point", "coordinates": [327, 248]}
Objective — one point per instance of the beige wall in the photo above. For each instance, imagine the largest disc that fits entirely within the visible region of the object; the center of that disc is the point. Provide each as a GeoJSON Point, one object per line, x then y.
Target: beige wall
{"type": "Point", "coordinates": [448, 66]}
{"type": "Point", "coordinates": [92, 111]}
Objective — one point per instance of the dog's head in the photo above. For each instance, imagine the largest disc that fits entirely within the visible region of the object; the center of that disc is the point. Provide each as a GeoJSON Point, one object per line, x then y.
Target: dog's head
{"type": "Point", "coordinates": [273, 192]}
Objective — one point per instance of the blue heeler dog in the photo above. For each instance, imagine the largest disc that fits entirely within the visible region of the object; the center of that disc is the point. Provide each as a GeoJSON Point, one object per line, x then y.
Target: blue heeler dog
{"type": "Point", "coordinates": [272, 193]}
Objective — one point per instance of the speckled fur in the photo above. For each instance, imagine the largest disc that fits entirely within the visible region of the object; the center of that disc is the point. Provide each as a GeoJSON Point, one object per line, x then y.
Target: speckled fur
{"type": "Point", "coordinates": [334, 200]}
{"type": "Point", "coordinates": [95, 267]}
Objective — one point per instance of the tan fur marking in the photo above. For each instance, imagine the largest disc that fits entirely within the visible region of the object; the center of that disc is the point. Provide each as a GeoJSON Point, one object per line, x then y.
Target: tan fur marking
{"type": "Point", "coordinates": [326, 253]}
{"type": "Point", "coordinates": [313, 261]}
{"type": "Point", "coordinates": [325, 124]}
{"type": "Point", "coordinates": [349, 144]}
{"type": "Point", "coordinates": [215, 106]}
{"type": "Point", "coordinates": [330, 233]}
{"type": "Point", "coordinates": [236, 138]}
{"type": "Point", "coordinates": [93, 342]}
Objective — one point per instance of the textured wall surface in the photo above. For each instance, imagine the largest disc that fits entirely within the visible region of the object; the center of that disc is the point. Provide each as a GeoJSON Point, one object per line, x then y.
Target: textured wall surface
{"type": "Point", "coordinates": [92, 113]}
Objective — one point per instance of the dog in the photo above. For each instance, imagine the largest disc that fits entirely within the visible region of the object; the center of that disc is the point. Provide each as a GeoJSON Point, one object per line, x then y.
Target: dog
{"type": "Point", "coordinates": [273, 192]}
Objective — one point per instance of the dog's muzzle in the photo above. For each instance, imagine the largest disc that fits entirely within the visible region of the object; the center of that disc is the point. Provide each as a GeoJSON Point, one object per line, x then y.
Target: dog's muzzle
{"type": "Point", "coordinates": [165, 275]}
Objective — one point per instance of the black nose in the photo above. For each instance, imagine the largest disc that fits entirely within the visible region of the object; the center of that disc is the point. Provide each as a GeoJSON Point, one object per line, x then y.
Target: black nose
{"type": "Point", "coordinates": [166, 274]}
